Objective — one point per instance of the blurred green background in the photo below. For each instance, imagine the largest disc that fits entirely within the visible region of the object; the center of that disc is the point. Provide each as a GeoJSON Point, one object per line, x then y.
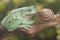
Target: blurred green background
{"type": "Point", "coordinates": [7, 5]}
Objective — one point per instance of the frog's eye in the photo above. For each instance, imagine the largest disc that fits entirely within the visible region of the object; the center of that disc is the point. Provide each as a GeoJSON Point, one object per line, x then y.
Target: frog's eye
{"type": "Point", "coordinates": [29, 10]}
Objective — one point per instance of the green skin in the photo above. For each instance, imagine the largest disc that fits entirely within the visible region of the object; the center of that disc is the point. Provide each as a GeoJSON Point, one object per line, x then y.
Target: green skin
{"type": "Point", "coordinates": [18, 18]}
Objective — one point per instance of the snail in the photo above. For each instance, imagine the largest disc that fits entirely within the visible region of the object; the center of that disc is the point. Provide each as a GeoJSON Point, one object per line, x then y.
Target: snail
{"type": "Point", "coordinates": [46, 14]}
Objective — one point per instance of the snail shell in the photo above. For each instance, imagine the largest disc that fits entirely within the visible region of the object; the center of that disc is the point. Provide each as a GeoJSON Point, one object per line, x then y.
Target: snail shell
{"type": "Point", "coordinates": [46, 14]}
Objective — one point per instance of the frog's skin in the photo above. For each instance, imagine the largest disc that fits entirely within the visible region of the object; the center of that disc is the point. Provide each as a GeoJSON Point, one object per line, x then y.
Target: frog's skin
{"type": "Point", "coordinates": [16, 18]}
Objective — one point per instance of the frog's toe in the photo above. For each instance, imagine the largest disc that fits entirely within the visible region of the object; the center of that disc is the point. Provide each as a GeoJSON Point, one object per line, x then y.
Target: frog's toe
{"type": "Point", "coordinates": [26, 28]}
{"type": "Point", "coordinates": [29, 26]}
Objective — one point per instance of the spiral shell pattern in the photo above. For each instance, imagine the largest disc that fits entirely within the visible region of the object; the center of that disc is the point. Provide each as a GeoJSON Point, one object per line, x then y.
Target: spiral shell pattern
{"type": "Point", "coordinates": [46, 14]}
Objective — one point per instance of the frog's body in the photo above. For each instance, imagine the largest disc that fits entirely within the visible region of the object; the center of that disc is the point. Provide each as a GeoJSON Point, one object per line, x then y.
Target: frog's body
{"type": "Point", "coordinates": [16, 18]}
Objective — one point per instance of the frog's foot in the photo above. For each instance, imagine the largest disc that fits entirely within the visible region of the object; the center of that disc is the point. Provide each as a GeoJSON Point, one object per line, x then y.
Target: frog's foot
{"type": "Point", "coordinates": [25, 26]}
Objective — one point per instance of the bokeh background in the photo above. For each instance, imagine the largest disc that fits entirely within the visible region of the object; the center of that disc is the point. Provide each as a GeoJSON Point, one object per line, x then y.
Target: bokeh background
{"type": "Point", "coordinates": [49, 34]}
